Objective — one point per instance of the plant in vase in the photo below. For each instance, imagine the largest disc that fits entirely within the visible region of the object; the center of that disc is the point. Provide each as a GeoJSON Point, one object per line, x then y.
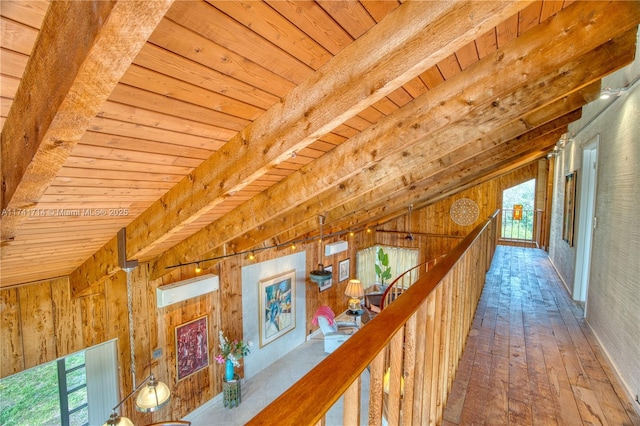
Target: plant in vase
{"type": "Point", "coordinates": [383, 270]}
{"type": "Point", "coordinates": [231, 353]}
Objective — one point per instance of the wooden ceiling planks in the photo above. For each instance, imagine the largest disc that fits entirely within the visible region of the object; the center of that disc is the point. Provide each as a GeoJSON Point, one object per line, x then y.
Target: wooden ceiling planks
{"type": "Point", "coordinates": [308, 208]}
{"type": "Point", "coordinates": [52, 120]}
{"type": "Point", "coordinates": [192, 89]}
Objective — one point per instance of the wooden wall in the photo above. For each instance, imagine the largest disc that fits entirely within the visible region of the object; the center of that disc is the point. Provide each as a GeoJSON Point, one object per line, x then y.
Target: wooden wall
{"type": "Point", "coordinates": [40, 322]}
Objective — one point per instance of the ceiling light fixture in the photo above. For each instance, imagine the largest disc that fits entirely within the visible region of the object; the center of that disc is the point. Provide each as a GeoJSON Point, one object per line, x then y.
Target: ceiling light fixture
{"type": "Point", "coordinates": [320, 275]}
{"type": "Point", "coordinates": [198, 268]}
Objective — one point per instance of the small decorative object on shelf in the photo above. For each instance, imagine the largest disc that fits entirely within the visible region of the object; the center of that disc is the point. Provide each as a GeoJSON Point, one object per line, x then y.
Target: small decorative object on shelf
{"type": "Point", "coordinates": [231, 353]}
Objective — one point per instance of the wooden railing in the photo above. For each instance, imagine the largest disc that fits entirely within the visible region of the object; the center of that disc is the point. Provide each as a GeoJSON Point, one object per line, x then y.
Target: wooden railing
{"type": "Point", "coordinates": [419, 338]}
{"type": "Point", "coordinates": [405, 280]}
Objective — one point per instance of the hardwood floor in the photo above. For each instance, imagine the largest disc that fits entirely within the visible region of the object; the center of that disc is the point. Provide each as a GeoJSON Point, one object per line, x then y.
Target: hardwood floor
{"type": "Point", "coordinates": [530, 358]}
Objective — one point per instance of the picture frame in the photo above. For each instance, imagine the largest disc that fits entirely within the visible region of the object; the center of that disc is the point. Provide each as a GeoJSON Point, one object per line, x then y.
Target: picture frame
{"type": "Point", "coordinates": [192, 347]}
{"type": "Point", "coordinates": [343, 270]}
{"type": "Point", "coordinates": [277, 306]}
{"type": "Point", "coordinates": [328, 283]}
{"type": "Point", "coordinates": [569, 213]}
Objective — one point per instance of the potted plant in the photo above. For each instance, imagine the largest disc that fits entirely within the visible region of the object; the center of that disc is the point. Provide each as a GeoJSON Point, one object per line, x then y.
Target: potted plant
{"type": "Point", "coordinates": [383, 270]}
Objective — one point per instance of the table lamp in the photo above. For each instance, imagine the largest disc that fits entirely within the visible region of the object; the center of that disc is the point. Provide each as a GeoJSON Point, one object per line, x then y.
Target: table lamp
{"type": "Point", "coordinates": [355, 292]}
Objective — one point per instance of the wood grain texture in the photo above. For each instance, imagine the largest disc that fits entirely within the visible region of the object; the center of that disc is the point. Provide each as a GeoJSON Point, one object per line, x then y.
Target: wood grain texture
{"type": "Point", "coordinates": [321, 119]}
{"type": "Point", "coordinates": [526, 352]}
{"type": "Point", "coordinates": [375, 141]}
{"type": "Point", "coordinates": [194, 87]}
{"type": "Point", "coordinates": [51, 123]}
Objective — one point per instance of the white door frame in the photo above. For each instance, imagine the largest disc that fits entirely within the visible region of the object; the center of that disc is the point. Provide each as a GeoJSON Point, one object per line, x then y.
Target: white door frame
{"type": "Point", "coordinates": [586, 219]}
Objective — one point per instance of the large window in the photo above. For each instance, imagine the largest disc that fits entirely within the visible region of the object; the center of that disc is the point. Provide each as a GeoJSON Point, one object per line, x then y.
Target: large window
{"type": "Point", "coordinates": [58, 392]}
{"type": "Point", "coordinates": [400, 260]}
{"type": "Point", "coordinates": [50, 394]}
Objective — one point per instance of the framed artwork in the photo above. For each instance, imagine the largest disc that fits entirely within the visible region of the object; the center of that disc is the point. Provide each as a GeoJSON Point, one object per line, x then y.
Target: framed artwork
{"type": "Point", "coordinates": [328, 283]}
{"type": "Point", "coordinates": [277, 306]}
{"type": "Point", "coordinates": [569, 207]}
{"type": "Point", "coordinates": [343, 270]}
{"type": "Point", "coordinates": [192, 347]}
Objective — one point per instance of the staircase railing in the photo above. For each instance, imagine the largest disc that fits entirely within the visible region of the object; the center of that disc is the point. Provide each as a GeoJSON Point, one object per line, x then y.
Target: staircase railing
{"type": "Point", "coordinates": [416, 342]}
{"type": "Point", "coordinates": [405, 280]}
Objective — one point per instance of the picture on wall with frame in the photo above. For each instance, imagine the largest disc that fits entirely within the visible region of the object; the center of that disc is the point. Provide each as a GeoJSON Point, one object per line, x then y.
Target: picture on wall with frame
{"type": "Point", "coordinates": [192, 343]}
{"type": "Point", "coordinates": [328, 283]}
{"type": "Point", "coordinates": [569, 207]}
{"type": "Point", "coordinates": [343, 270]}
{"type": "Point", "coordinates": [277, 306]}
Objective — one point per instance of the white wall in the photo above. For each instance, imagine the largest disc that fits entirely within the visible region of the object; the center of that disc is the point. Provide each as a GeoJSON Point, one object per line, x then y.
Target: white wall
{"type": "Point", "coordinates": [261, 358]}
{"type": "Point", "coordinates": [613, 301]}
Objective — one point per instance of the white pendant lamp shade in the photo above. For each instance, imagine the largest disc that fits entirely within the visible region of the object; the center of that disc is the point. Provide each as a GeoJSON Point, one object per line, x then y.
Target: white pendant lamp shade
{"type": "Point", "coordinates": [117, 420]}
{"type": "Point", "coordinates": [153, 396]}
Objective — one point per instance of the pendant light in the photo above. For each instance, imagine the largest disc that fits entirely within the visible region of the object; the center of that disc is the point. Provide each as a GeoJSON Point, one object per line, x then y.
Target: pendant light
{"type": "Point", "coordinates": [320, 275]}
{"type": "Point", "coordinates": [409, 236]}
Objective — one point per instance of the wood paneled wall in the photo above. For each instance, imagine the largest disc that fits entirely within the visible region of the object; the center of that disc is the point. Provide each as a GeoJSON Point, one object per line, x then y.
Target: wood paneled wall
{"type": "Point", "coordinates": [40, 322]}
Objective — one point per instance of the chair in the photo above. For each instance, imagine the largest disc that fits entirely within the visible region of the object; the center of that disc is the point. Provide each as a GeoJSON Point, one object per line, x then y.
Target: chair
{"type": "Point", "coordinates": [335, 332]}
{"type": "Point", "coordinates": [373, 298]}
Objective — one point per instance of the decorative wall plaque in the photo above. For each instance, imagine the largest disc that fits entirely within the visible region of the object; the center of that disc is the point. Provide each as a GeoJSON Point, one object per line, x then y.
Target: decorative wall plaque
{"type": "Point", "coordinates": [464, 211]}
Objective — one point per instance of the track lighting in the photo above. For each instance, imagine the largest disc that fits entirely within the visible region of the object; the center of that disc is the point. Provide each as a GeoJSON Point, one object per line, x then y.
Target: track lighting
{"type": "Point", "coordinates": [198, 268]}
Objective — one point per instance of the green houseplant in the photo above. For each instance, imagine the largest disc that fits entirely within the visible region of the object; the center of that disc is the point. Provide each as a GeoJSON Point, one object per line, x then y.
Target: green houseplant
{"type": "Point", "coordinates": [383, 270]}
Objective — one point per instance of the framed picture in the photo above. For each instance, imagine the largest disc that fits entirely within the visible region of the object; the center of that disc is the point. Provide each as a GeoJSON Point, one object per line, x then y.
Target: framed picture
{"type": "Point", "coordinates": [328, 283]}
{"type": "Point", "coordinates": [343, 270]}
{"type": "Point", "coordinates": [277, 306]}
{"type": "Point", "coordinates": [192, 347]}
{"type": "Point", "coordinates": [569, 207]}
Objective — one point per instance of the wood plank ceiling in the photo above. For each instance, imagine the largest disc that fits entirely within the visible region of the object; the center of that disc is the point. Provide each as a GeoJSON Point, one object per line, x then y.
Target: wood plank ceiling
{"type": "Point", "coordinates": [197, 125]}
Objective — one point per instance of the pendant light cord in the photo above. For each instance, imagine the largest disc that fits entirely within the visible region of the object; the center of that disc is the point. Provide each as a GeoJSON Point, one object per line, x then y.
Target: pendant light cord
{"type": "Point", "coordinates": [131, 340]}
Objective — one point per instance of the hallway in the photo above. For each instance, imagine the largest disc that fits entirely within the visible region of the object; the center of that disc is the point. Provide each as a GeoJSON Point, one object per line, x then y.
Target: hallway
{"type": "Point", "coordinates": [530, 357]}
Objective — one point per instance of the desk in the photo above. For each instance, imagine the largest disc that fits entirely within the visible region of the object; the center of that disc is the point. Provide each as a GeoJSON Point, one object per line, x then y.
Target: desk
{"type": "Point", "coordinates": [231, 392]}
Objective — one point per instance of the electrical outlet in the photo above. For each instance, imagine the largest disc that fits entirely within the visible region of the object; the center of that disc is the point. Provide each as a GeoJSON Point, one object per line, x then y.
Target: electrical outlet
{"type": "Point", "coordinates": [157, 353]}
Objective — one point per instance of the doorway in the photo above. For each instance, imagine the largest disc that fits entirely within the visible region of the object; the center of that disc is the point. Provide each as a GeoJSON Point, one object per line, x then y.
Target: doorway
{"type": "Point", "coordinates": [586, 220]}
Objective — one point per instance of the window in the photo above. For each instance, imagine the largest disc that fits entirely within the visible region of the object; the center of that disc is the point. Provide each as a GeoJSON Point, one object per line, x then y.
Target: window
{"type": "Point", "coordinates": [60, 392]}
{"type": "Point", "coordinates": [518, 214]}
{"type": "Point", "coordinates": [72, 390]}
{"type": "Point", "coordinates": [50, 394]}
{"type": "Point", "coordinates": [400, 260]}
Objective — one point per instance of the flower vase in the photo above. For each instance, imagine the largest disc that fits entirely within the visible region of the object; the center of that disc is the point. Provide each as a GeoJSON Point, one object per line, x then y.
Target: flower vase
{"type": "Point", "coordinates": [229, 371]}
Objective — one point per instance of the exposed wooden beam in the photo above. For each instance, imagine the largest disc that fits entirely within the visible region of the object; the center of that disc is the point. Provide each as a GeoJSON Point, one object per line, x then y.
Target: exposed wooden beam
{"type": "Point", "coordinates": [82, 51]}
{"type": "Point", "coordinates": [415, 37]}
{"type": "Point", "coordinates": [351, 158]}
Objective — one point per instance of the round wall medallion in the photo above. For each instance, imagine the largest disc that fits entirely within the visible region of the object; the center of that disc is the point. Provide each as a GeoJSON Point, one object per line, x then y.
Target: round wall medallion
{"type": "Point", "coordinates": [464, 211]}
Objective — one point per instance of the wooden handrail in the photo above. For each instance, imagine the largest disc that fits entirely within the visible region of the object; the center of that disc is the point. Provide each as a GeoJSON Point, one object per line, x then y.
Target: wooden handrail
{"type": "Point", "coordinates": [383, 299]}
{"type": "Point", "coordinates": [308, 400]}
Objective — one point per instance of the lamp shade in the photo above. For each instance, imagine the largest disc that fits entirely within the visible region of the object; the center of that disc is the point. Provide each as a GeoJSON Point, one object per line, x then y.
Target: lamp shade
{"type": "Point", "coordinates": [115, 419]}
{"type": "Point", "coordinates": [153, 396]}
{"type": "Point", "coordinates": [355, 292]}
{"type": "Point", "coordinates": [354, 289]}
